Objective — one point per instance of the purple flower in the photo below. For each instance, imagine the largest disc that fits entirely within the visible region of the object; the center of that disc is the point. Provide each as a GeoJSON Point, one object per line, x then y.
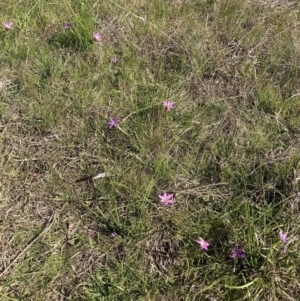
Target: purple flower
{"type": "Point", "coordinates": [8, 25]}
{"type": "Point", "coordinates": [237, 252]}
{"type": "Point", "coordinates": [113, 122]}
{"type": "Point", "coordinates": [283, 237]}
{"type": "Point", "coordinates": [97, 36]}
{"type": "Point", "coordinates": [67, 26]}
{"type": "Point", "coordinates": [203, 243]}
{"type": "Point", "coordinates": [113, 234]}
{"type": "Point", "coordinates": [166, 199]}
{"type": "Point", "coordinates": [169, 104]}
{"type": "Point", "coordinates": [114, 60]}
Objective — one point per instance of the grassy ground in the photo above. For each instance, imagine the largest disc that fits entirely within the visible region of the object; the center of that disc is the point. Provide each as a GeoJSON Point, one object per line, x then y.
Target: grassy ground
{"type": "Point", "coordinates": [228, 151]}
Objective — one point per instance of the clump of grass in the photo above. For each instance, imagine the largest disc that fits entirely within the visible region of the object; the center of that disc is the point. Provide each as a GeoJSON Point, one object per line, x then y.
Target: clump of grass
{"type": "Point", "coordinates": [187, 112]}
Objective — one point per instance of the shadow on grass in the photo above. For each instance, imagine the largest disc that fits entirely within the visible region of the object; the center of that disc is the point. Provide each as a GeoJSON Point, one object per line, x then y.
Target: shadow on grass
{"type": "Point", "coordinates": [73, 40]}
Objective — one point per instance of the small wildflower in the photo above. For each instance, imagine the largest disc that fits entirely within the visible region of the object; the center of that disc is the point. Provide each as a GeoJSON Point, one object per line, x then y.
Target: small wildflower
{"type": "Point", "coordinates": [113, 234]}
{"type": "Point", "coordinates": [97, 36]}
{"type": "Point", "coordinates": [8, 25]}
{"type": "Point", "coordinates": [67, 26]}
{"type": "Point", "coordinates": [237, 252]}
{"type": "Point", "coordinates": [283, 237]}
{"type": "Point", "coordinates": [113, 122]}
{"type": "Point", "coordinates": [169, 105]}
{"type": "Point", "coordinates": [166, 199]}
{"type": "Point", "coordinates": [114, 60]}
{"type": "Point", "coordinates": [203, 243]}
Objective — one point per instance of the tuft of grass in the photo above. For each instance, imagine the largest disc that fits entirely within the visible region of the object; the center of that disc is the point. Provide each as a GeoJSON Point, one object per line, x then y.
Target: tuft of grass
{"type": "Point", "coordinates": [228, 151]}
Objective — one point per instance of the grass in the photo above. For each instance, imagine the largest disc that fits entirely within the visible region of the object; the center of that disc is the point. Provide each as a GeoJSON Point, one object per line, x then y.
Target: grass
{"type": "Point", "coordinates": [228, 151]}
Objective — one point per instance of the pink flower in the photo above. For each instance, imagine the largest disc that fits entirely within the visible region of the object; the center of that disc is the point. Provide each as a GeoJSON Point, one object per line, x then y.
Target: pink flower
{"type": "Point", "coordinates": [166, 199]}
{"type": "Point", "coordinates": [113, 122]}
{"type": "Point", "coordinates": [67, 26]}
{"type": "Point", "coordinates": [113, 234]}
{"type": "Point", "coordinates": [203, 243]}
{"type": "Point", "coordinates": [169, 104]}
{"type": "Point", "coordinates": [283, 237]}
{"type": "Point", "coordinates": [114, 60]}
{"type": "Point", "coordinates": [8, 25]}
{"type": "Point", "coordinates": [97, 36]}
